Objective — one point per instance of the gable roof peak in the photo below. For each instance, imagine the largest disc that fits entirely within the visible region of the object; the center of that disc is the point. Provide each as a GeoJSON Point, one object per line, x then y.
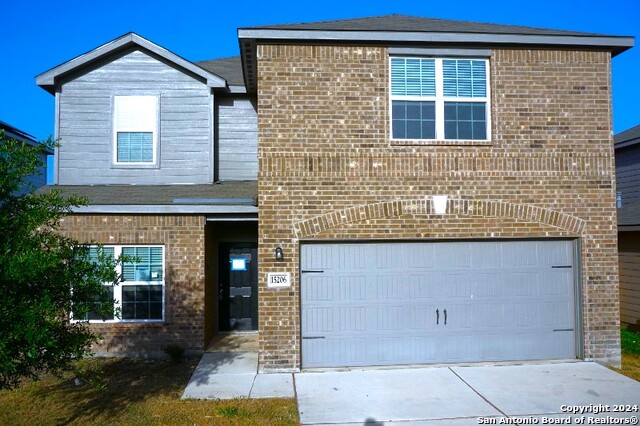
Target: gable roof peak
{"type": "Point", "coordinates": [48, 80]}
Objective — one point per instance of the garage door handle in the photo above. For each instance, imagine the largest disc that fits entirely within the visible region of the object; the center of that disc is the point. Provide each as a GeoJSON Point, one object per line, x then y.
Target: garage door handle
{"type": "Point", "coordinates": [311, 271]}
{"type": "Point", "coordinates": [445, 317]}
{"type": "Point", "coordinates": [313, 337]}
{"type": "Point", "coordinates": [563, 329]}
{"type": "Point", "coordinates": [437, 316]}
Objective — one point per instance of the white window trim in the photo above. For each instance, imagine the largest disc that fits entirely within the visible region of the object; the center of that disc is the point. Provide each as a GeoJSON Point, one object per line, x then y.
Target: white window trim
{"type": "Point", "coordinates": [440, 100]}
{"type": "Point", "coordinates": [117, 128]}
{"type": "Point", "coordinates": [117, 290]}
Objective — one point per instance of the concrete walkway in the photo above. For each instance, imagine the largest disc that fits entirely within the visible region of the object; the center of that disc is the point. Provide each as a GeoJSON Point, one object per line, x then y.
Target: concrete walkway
{"type": "Point", "coordinates": [228, 375]}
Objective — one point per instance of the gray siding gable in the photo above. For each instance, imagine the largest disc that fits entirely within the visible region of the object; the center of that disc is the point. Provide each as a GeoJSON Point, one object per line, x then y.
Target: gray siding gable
{"type": "Point", "coordinates": [237, 138]}
{"type": "Point", "coordinates": [85, 126]}
{"type": "Point", "coordinates": [48, 80]}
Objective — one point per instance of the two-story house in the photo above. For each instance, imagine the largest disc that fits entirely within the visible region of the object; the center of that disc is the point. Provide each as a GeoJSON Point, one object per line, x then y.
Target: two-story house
{"type": "Point", "coordinates": [376, 191]}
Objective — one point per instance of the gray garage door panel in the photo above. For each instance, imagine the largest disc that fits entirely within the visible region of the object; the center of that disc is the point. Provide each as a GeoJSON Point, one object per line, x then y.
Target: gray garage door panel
{"type": "Point", "coordinates": [385, 303]}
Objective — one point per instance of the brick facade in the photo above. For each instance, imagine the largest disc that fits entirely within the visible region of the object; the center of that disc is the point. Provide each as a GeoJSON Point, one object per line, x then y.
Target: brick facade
{"type": "Point", "coordinates": [327, 170]}
{"type": "Point", "coordinates": [184, 240]}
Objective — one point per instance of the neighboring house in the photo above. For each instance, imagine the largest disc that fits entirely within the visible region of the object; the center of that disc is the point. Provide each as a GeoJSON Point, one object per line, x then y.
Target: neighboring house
{"type": "Point", "coordinates": [627, 147]}
{"type": "Point", "coordinates": [375, 191]}
{"type": "Point", "coordinates": [39, 178]}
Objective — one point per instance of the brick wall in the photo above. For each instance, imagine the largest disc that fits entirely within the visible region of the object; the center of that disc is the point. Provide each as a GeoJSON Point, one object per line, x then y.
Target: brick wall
{"type": "Point", "coordinates": [183, 238]}
{"type": "Point", "coordinates": [328, 171]}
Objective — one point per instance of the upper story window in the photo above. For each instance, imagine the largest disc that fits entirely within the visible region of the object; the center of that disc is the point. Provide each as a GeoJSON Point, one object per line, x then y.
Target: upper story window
{"type": "Point", "coordinates": [135, 129]}
{"type": "Point", "coordinates": [439, 99]}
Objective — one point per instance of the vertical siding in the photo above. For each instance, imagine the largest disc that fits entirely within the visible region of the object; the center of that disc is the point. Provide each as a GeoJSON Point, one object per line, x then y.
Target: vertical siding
{"type": "Point", "coordinates": [85, 124]}
{"type": "Point", "coordinates": [237, 138]}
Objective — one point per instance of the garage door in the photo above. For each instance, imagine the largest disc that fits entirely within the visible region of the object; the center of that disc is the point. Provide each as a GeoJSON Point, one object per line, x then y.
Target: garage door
{"type": "Point", "coordinates": [420, 303]}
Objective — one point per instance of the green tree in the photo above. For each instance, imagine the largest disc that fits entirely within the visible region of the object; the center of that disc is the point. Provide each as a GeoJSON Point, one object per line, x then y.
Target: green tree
{"type": "Point", "coordinates": [44, 276]}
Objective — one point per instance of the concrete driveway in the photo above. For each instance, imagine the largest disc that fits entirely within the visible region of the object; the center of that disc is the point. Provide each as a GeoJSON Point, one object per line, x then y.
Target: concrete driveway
{"type": "Point", "coordinates": [466, 395]}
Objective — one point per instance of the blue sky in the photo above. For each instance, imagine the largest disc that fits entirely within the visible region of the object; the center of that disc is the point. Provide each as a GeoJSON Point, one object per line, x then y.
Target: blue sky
{"type": "Point", "coordinates": [39, 35]}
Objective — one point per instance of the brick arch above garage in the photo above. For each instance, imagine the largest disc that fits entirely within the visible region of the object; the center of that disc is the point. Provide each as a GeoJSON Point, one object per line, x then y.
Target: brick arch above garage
{"type": "Point", "coordinates": [462, 211]}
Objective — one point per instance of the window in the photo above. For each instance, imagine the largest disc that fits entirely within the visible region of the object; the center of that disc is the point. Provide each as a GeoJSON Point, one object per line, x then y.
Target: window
{"type": "Point", "coordinates": [135, 129]}
{"type": "Point", "coordinates": [142, 287]}
{"type": "Point", "coordinates": [439, 99]}
{"type": "Point", "coordinates": [619, 199]}
{"type": "Point", "coordinates": [140, 294]}
{"type": "Point", "coordinates": [93, 256]}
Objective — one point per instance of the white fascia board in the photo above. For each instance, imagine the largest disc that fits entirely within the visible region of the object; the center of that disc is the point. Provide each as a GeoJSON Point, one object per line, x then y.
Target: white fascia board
{"type": "Point", "coordinates": [163, 209]}
{"type": "Point", "coordinates": [438, 37]}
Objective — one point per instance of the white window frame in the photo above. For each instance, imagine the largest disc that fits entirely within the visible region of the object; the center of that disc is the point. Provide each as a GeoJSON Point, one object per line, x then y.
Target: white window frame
{"type": "Point", "coordinates": [117, 290]}
{"type": "Point", "coordinates": [440, 100]}
{"type": "Point", "coordinates": [135, 127]}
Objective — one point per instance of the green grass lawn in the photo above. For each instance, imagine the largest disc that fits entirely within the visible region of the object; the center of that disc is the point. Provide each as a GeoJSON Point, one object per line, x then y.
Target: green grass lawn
{"type": "Point", "coordinates": [133, 392]}
{"type": "Point", "coordinates": [630, 341]}
{"type": "Point", "coordinates": [630, 354]}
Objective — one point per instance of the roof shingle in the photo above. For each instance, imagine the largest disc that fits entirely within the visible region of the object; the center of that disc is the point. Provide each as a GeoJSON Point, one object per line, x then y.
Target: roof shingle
{"type": "Point", "coordinates": [628, 137]}
{"type": "Point", "coordinates": [222, 193]}
{"type": "Point", "coordinates": [228, 68]}
{"type": "Point", "coordinates": [405, 23]}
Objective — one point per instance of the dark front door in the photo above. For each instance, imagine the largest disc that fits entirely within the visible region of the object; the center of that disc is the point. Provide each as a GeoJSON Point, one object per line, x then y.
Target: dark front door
{"type": "Point", "coordinates": [238, 287]}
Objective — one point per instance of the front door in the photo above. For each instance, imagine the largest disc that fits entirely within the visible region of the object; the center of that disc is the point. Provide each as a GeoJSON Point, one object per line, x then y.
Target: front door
{"type": "Point", "coordinates": [238, 287]}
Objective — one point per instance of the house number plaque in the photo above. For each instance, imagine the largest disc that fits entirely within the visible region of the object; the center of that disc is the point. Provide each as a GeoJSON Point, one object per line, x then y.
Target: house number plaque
{"type": "Point", "coordinates": [278, 279]}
